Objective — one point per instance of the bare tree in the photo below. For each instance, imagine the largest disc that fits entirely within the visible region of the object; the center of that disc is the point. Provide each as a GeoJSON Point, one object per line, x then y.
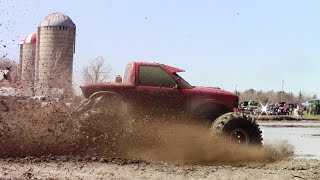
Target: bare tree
{"type": "Point", "coordinates": [273, 96]}
{"type": "Point", "coordinates": [97, 71]}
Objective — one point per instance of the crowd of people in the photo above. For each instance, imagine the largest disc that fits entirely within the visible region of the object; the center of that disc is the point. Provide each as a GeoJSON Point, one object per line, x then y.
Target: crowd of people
{"type": "Point", "coordinates": [282, 108]}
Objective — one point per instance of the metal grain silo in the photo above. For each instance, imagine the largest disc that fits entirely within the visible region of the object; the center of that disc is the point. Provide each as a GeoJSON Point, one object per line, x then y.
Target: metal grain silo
{"type": "Point", "coordinates": [55, 49]}
{"type": "Point", "coordinates": [27, 59]}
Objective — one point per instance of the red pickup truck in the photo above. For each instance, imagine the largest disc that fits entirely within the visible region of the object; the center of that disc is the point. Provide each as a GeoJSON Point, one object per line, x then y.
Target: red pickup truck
{"type": "Point", "coordinates": [158, 91]}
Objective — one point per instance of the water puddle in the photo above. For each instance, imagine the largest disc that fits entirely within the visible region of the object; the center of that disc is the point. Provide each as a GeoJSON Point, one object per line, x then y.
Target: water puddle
{"type": "Point", "coordinates": [303, 135]}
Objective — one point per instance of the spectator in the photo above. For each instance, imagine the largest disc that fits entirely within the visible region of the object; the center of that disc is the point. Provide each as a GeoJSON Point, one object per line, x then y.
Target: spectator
{"type": "Point", "coordinates": [118, 79]}
{"type": "Point", "coordinates": [313, 108]}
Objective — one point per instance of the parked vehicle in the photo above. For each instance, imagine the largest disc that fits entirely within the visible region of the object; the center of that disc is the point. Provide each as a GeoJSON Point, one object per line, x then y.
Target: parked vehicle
{"type": "Point", "coordinates": [312, 106]}
{"type": "Point", "coordinates": [249, 107]}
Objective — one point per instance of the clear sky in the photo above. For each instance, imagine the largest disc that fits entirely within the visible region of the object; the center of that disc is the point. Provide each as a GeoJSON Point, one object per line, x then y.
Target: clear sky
{"type": "Point", "coordinates": [254, 44]}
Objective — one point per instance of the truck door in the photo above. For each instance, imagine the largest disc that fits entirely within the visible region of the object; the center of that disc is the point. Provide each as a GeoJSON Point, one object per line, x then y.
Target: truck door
{"type": "Point", "coordinates": [158, 92]}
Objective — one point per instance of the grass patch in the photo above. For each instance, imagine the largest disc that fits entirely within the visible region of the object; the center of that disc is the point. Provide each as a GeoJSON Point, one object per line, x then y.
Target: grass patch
{"type": "Point", "coordinates": [311, 116]}
{"type": "Point", "coordinates": [275, 118]}
{"type": "Point", "coordinates": [306, 116]}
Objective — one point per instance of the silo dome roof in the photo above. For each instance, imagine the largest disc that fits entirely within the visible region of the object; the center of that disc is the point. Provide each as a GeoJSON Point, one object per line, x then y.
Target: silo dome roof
{"type": "Point", "coordinates": [32, 38]}
{"type": "Point", "coordinates": [57, 19]}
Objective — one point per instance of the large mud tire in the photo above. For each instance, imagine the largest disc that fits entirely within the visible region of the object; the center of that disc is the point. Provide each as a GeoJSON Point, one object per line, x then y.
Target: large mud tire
{"type": "Point", "coordinates": [101, 122]}
{"type": "Point", "coordinates": [238, 127]}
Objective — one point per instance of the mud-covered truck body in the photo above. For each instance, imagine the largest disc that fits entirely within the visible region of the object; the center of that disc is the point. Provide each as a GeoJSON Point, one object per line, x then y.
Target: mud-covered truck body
{"type": "Point", "coordinates": [156, 90]}
{"type": "Point", "coordinates": [153, 87]}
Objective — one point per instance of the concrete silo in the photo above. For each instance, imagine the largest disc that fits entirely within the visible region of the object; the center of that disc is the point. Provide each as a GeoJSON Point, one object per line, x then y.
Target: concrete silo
{"type": "Point", "coordinates": [27, 58]}
{"type": "Point", "coordinates": [55, 49]}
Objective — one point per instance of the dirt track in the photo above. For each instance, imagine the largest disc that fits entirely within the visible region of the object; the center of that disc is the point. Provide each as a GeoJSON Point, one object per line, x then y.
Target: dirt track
{"type": "Point", "coordinates": [64, 168]}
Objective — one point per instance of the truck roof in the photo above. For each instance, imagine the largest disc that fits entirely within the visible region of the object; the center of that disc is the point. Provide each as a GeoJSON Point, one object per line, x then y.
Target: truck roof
{"type": "Point", "coordinates": [169, 68]}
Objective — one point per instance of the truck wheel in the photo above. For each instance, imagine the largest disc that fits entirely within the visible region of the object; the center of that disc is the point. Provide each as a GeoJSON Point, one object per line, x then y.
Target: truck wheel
{"type": "Point", "coordinates": [97, 123]}
{"type": "Point", "coordinates": [102, 110]}
{"type": "Point", "coordinates": [100, 123]}
{"type": "Point", "coordinates": [238, 127]}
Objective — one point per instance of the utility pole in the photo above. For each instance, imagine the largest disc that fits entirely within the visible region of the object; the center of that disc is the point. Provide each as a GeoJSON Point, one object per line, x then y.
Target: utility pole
{"type": "Point", "coordinates": [282, 90]}
{"type": "Point", "coordinates": [236, 91]}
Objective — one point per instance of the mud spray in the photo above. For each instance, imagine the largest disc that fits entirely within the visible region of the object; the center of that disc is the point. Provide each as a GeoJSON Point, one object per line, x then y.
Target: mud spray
{"type": "Point", "coordinates": [54, 131]}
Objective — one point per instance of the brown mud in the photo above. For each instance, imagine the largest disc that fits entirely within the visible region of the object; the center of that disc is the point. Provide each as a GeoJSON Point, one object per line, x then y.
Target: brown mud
{"type": "Point", "coordinates": [52, 130]}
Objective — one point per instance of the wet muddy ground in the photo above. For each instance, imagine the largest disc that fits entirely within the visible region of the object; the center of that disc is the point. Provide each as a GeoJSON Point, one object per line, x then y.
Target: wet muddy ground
{"type": "Point", "coordinates": [56, 168]}
{"type": "Point", "coordinates": [304, 136]}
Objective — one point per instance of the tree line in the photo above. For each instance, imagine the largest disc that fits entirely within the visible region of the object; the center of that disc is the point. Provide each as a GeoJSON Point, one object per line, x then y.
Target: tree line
{"type": "Point", "coordinates": [274, 96]}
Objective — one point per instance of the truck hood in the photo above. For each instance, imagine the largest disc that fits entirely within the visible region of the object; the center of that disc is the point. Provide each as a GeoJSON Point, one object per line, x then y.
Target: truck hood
{"type": "Point", "coordinates": [215, 95]}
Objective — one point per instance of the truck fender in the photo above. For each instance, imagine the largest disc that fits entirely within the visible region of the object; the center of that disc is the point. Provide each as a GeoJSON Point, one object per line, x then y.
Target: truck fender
{"type": "Point", "coordinates": [209, 110]}
{"type": "Point", "coordinates": [100, 97]}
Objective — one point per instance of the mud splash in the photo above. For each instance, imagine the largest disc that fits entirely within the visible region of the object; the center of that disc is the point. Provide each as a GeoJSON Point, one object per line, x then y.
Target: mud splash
{"type": "Point", "coordinates": [52, 131]}
{"type": "Point", "coordinates": [194, 145]}
{"type": "Point", "coordinates": [26, 131]}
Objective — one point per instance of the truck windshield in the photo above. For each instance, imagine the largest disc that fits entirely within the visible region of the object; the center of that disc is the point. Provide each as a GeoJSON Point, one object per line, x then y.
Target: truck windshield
{"type": "Point", "coordinates": [183, 81]}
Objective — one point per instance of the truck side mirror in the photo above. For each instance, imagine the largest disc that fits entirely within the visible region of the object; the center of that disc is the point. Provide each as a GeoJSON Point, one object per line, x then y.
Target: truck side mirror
{"type": "Point", "coordinates": [177, 86]}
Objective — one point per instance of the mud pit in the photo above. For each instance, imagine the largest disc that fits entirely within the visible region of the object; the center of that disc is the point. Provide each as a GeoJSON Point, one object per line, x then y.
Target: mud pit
{"type": "Point", "coordinates": [302, 135]}
{"type": "Point", "coordinates": [47, 142]}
